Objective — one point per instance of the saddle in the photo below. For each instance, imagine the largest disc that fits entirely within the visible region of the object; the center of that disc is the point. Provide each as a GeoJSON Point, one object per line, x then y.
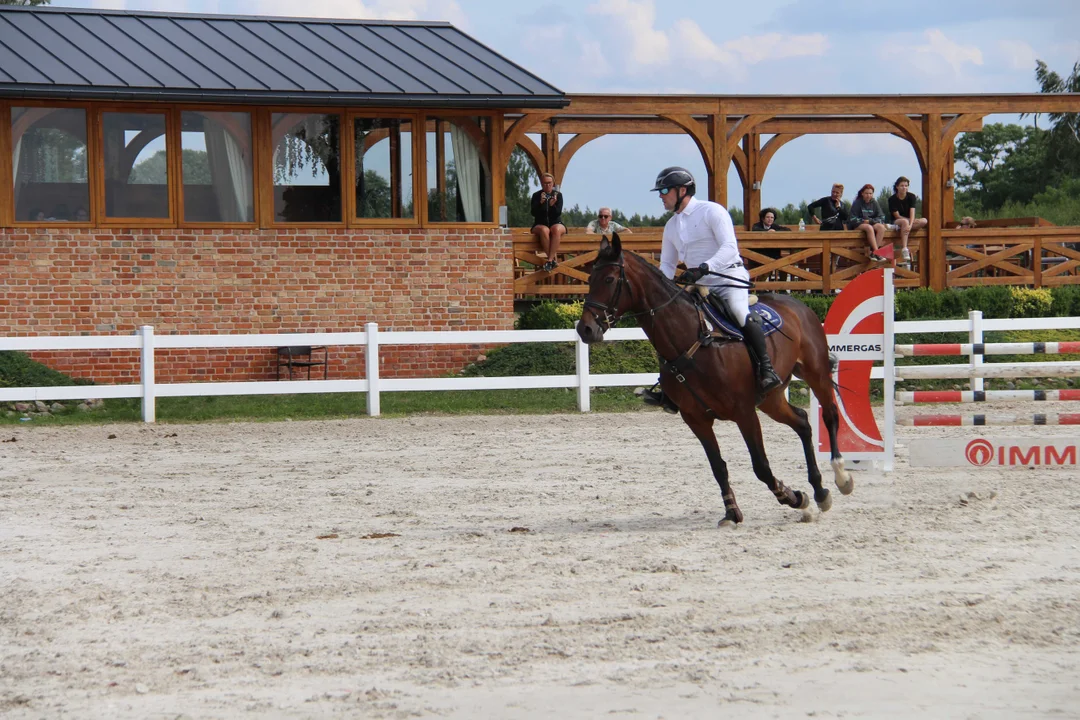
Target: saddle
{"type": "Point", "coordinates": [723, 327]}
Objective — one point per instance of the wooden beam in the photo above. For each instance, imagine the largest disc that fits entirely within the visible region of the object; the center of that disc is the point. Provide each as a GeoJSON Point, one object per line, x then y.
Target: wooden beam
{"type": "Point", "coordinates": [751, 194]}
{"type": "Point", "coordinates": [933, 205]}
{"type": "Point", "coordinates": [567, 151]}
{"type": "Point", "coordinates": [440, 169]}
{"type": "Point", "coordinates": [7, 185]}
{"type": "Point", "coordinates": [533, 151]}
{"type": "Point", "coordinates": [912, 132]}
{"type": "Point", "coordinates": [718, 190]}
{"type": "Point", "coordinates": [499, 159]}
{"type": "Point", "coordinates": [775, 143]}
{"type": "Point", "coordinates": [698, 134]}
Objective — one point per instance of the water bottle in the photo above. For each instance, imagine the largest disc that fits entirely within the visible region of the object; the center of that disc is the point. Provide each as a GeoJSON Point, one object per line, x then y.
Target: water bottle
{"type": "Point", "coordinates": [802, 225]}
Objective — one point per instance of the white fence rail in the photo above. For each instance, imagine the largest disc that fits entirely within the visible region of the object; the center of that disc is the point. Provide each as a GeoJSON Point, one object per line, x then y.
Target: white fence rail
{"type": "Point", "coordinates": [148, 390]}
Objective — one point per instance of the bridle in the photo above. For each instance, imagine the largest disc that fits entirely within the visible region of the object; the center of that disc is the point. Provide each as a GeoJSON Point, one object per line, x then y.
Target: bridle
{"type": "Point", "coordinates": [611, 314]}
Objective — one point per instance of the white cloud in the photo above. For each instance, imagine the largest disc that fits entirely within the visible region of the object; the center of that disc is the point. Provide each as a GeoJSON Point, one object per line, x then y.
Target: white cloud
{"type": "Point", "coordinates": [774, 46]}
{"type": "Point", "coordinates": [447, 10]}
{"type": "Point", "coordinates": [1018, 54]}
{"type": "Point", "coordinates": [632, 25]}
{"type": "Point", "coordinates": [938, 51]}
{"type": "Point", "coordinates": [592, 61]}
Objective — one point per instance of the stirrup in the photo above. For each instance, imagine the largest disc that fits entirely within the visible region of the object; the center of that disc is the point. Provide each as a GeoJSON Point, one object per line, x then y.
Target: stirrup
{"type": "Point", "coordinates": [767, 381]}
{"type": "Point", "coordinates": [656, 397]}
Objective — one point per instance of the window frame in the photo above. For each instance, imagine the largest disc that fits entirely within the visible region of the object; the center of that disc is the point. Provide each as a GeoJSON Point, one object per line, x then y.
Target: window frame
{"type": "Point", "coordinates": [417, 177]}
{"type": "Point", "coordinates": [262, 164]}
{"type": "Point", "coordinates": [255, 144]}
{"type": "Point", "coordinates": [267, 147]}
{"type": "Point", "coordinates": [172, 137]}
{"type": "Point", "coordinates": [7, 199]}
{"type": "Point", "coordinates": [493, 144]}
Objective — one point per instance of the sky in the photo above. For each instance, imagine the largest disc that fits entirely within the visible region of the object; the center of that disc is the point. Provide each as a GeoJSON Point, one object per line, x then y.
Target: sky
{"type": "Point", "coordinates": [723, 47]}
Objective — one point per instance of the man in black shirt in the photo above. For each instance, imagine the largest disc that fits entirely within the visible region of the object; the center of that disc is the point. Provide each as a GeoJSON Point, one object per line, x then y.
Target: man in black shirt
{"type": "Point", "coordinates": [902, 212]}
{"type": "Point", "coordinates": [547, 204]}
{"type": "Point", "coordinates": [834, 215]}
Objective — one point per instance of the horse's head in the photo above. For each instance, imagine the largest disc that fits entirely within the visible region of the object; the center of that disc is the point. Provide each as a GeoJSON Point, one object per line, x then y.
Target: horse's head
{"type": "Point", "coordinates": [609, 292]}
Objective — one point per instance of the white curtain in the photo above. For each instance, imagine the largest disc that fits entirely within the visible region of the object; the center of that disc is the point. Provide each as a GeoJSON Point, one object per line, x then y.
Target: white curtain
{"type": "Point", "coordinates": [467, 164]}
{"type": "Point", "coordinates": [230, 173]}
{"type": "Point", "coordinates": [15, 170]}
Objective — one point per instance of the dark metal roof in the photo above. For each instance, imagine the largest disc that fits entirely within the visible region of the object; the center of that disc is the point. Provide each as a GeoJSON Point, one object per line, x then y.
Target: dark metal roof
{"type": "Point", "coordinates": [132, 55]}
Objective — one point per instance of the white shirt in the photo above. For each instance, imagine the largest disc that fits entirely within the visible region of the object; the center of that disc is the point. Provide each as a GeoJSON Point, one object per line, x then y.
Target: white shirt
{"type": "Point", "coordinates": [701, 233]}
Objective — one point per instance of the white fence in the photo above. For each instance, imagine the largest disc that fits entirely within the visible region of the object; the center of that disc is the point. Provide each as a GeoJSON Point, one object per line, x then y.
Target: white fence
{"type": "Point", "coordinates": [371, 340]}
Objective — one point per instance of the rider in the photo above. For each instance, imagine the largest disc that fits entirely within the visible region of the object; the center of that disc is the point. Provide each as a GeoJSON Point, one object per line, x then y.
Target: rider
{"type": "Point", "coordinates": [700, 234]}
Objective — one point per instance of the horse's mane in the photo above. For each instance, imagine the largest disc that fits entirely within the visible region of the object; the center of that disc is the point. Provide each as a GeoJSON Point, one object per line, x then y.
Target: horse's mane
{"type": "Point", "coordinates": [667, 283]}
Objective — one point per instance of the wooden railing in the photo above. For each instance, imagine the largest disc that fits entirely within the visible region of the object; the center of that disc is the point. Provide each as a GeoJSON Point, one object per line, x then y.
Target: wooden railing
{"type": "Point", "coordinates": [1038, 255]}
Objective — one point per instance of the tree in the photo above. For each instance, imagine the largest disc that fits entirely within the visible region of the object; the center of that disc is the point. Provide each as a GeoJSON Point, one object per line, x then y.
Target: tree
{"type": "Point", "coordinates": [152, 170]}
{"type": "Point", "coordinates": [1065, 127]}
{"type": "Point", "coordinates": [25, 2]}
{"type": "Point", "coordinates": [519, 171]}
{"type": "Point", "coordinates": [1004, 163]}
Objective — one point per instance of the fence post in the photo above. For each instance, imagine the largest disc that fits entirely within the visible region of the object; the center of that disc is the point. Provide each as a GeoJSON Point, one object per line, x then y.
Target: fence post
{"type": "Point", "coordinates": [371, 360]}
{"type": "Point", "coordinates": [146, 373]}
{"type": "Point", "coordinates": [583, 395]}
{"type": "Point", "coordinates": [975, 335]}
{"type": "Point", "coordinates": [888, 368]}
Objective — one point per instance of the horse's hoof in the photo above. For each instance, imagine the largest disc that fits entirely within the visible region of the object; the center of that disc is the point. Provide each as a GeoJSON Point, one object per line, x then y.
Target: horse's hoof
{"type": "Point", "coordinates": [804, 500]}
{"type": "Point", "coordinates": [727, 523]}
{"type": "Point", "coordinates": [845, 483]}
{"type": "Point", "coordinates": [825, 504]}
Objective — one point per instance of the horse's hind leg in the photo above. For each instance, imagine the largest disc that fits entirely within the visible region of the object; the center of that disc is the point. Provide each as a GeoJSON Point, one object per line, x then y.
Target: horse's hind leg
{"type": "Point", "coordinates": [780, 410]}
{"type": "Point", "coordinates": [821, 384]}
{"type": "Point", "coordinates": [751, 432]}
{"type": "Point", "coordinates": [703, 430]}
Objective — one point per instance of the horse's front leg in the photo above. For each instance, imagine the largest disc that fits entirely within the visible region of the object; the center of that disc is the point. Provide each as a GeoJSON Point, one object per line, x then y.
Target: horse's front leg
{"type": "Point", "coordinates": [751, 432]}
{"type": "Point", "coordinates": [702, 428]}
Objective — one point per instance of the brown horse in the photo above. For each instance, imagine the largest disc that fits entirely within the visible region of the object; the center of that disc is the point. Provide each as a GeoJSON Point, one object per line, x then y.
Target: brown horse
{"type": "Point", "coordinates": [716, 381]}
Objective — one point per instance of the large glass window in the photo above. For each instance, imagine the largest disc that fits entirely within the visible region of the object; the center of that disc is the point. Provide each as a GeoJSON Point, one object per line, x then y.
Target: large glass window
{"type": "Point", "coordinates": [383, 178]}
{"type": "Point", "coordinates": [136, 165]}
{"type": "Point", "coordinates": [307, 167]}
{"type": "Point", "coordinates": [217, 170]}
{"type": "Point", "coordinates": [49, 164]}
{"type": "Point", "coordinates": [459, 169]}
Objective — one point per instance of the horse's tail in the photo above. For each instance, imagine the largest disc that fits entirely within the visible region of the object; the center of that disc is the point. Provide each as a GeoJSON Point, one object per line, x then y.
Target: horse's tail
{"type": "Point", "coordinates": [834, 362]}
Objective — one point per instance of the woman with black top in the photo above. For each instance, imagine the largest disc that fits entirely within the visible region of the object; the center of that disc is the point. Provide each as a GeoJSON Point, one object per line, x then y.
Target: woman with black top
{"type": "Point", "coordinates": [867, 216]}
{"type": "Point", "coordinates": [831, 209]}
{"type": "Point", "coordinates": [902, 212]}
{"type": "Point", "coordinates": [547, 204]}
{"type": "Point", "coordinates": [767, 223]}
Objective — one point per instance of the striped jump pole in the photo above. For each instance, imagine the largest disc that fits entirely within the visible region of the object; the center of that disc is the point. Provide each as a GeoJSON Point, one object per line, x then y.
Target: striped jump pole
{"type": "Point", "coordinates": [989, 370]}
{"type": "Point", "coordinates": [1027, 348]}
{"type": "Point", "coordinates": [924, 397]}
{"type": "Point", "coordinates": [980, 420]}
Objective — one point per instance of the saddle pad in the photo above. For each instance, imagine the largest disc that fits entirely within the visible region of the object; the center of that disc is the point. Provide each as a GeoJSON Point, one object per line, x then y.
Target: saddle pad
{"type": "Point", "coordinates": [771, 321]}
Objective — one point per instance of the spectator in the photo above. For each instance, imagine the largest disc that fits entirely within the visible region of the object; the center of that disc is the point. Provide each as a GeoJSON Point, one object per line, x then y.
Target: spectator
{"type": "Point", "coordinates": [967, 223]}
{"type": "Point", "coordinates": [547, 205]}
{"type": "Point", "coordinates": [766, 222]}
{"type": "Point", "coordinates": [37, 215]}
{"type": "Point", "coordinates": [834, 216]}
{"type": "Point", "coordinates": [902, 211]}
{"type": "Point", "coordinates": [604, 225]}
{"type": "Point", "coordinates": [81, 215]}
{"type": "Point", "coordinates": [867, 216]}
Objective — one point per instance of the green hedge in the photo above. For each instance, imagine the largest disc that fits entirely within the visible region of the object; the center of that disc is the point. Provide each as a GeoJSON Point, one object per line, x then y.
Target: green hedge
{"type": "Point", "coordinates": [18, 370]}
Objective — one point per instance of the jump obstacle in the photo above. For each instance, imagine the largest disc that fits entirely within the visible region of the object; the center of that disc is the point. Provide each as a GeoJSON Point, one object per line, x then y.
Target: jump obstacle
{"type": "Point", "coordinates": [864, 330]}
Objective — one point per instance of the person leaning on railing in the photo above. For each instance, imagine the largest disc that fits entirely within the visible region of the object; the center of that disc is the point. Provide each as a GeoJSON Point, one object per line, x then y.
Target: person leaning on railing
{"type": "Point", "coordinates": [604, 224]}
{"type": "Point", "coordinates": [867, 217]}
{"type": "Point", "coordinates": [831, 208]}
{"type": "Point", "coordinates": [767, 223]}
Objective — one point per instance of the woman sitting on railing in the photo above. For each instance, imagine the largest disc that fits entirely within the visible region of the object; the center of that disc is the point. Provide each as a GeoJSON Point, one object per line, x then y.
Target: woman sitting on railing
{"type": "Point", "coordinates": [867, 217]}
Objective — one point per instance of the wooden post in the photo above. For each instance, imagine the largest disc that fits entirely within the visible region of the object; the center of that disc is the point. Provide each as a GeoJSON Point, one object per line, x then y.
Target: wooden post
{"type": "Point", "coordinates": [499, 159]}
{"type": "Point", "coordinates": [7, 197]}
{"type": "Point", "coordinates": [395, 168]}
{"type": "Point", "coordinates": [549, 145]}
{"type": "Point", "coordinates": [751, 194]}
{"type": "Point", "coordinates": [721, 157]}
{"type": "Point", "coordinates": [948, 208]}
{"type": "Point", "coordinates": [933, 200]}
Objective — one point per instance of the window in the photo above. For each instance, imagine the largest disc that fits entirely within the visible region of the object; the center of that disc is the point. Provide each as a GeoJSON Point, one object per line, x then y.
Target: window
{"type": "Point", "coordinates": [459, 169]}
{"type": "Point", "coordinates": [307, 167]}
{"type": "Point", "coordinates": [216, 166]}
{"type": "Point", "coordinates": [135, 152]}
{"type": "Point", "coordinates": [48, 147]}
{"type": "Point", "coordinates": [383, 176]}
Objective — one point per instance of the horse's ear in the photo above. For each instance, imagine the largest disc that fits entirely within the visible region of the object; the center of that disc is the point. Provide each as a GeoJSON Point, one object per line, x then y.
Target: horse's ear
{"type": "Point", "coordinates": [616, 243]}
{"type": "Point", "coordinates": [605, 246]}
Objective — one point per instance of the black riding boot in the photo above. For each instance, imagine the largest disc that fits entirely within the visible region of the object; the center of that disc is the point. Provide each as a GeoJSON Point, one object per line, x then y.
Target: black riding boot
{"type": "Point", "coordinates": [655, 396]}
{"type": "Point", "coordinates": [767, 378]}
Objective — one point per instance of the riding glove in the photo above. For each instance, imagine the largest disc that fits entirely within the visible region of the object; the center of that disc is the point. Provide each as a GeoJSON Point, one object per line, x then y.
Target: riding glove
{"type": "Point", "coordinates": [692, 275]}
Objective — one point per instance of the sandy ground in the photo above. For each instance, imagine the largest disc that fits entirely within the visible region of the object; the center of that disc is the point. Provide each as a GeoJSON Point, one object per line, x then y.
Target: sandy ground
{"type": "Point", "coordinates": [371, 568]}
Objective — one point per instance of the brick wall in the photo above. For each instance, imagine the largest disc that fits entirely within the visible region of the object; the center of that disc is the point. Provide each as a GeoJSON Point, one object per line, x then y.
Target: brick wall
{"type": "Point", "coordinates": [68, 281]}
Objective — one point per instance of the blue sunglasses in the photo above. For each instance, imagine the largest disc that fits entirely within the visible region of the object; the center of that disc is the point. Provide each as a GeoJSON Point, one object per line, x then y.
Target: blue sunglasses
{"type": "Point", "coordinates": [665, 191]}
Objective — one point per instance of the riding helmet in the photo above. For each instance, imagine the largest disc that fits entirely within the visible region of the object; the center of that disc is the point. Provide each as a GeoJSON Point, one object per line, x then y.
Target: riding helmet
{"type": "Point", "coordinates": [674, 177]}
